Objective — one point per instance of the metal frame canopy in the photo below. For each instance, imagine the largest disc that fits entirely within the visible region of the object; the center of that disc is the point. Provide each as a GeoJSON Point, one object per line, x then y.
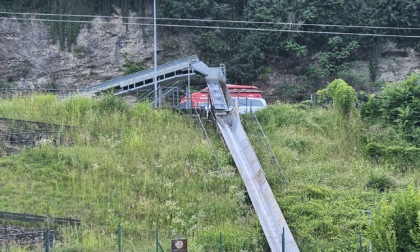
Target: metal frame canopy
{"type": "Point", "coordinates": [166, 74]}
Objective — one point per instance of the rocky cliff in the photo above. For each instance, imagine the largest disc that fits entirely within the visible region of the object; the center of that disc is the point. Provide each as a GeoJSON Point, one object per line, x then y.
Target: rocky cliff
{"type": "Point", "coordinates": [29, 59]}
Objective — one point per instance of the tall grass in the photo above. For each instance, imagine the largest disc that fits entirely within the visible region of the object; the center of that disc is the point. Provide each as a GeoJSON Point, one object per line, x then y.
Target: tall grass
{"type": "Point", "coordinates": [330, 176]}
{"type": "Point", "coordinates": [126, 164]}
{"type": "Point", "coordinates": [144, 168]}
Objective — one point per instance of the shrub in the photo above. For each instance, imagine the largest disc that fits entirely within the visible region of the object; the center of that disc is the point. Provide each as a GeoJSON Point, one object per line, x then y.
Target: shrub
{"type": "Point", "coordinates": [338, 53]}
{"type": "Point", "coordinates": [342, 95]}
{"type": "Point", "coordinates": [109, 103]}
{"type": "Point", "coordinates": [370, 109]}
{"type": "Point", "coordinates": [344, 98]}
{"type": "Point", "coordinates": [131, 66]}
{"type": "Point", "coordinates": [380, 181]}
{"type": "Point", "coordinates": [399, 106]}
{"type": "Point", "coordinates": [402, 156]}
{"type": "Point", "coordinates": [396, 226]}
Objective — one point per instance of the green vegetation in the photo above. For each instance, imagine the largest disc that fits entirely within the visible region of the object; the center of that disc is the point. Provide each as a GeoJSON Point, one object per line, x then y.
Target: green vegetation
{"type": "Point", "coordinates": [249, 54]}
{"type": "Point", "coordinates": [141, 167]}
{"type": "Point", "coordinates": [131, 66]}
{"type": "Point", "coordinates": [397, 225]}
{"type": "Point", "coordinates": [397, 105]}
{"type": "Point", "coordinates": [337, 54]}
{"type": "Point", "coordinates": [342, 95]}
{"type": "Point", "coordinates": [130, 165]}
{"type": "Point", "coordinates": [392, 120]}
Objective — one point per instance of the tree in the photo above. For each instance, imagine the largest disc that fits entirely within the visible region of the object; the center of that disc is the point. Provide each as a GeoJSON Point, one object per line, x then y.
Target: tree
{"type": "Point", "coordinates": [342, 95]}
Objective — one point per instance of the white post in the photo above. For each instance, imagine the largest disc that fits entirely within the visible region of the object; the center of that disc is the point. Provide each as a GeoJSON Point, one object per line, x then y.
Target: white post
{"type": "Point", "coordinates": [189, 88]}
{"type": "Point", "coordinates": [155, 55]}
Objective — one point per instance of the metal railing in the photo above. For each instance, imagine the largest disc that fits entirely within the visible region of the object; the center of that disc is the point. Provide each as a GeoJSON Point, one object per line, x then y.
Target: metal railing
{"type": "Point", "coordinates": [144, 78]}
{"type": "Point", "coordinates": [39, 218]}
{"type": "Point", "coordinates": [8, 93]}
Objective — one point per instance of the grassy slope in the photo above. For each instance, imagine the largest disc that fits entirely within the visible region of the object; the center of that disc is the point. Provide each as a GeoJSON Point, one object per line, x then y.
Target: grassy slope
{"type": "Point", "coordinates": [137, 166]}
{"type": "Point", "coordinates": [323, 156]}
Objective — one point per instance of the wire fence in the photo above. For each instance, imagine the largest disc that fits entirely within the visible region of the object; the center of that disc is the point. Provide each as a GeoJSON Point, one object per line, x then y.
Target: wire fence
{"type": "Point", "coordinates": [39, 218]}
{"type": "Point", "coordinates": [15, 135]}
{"type": "Point", "coordinates": [12, 237]}
{"type": "Point", "coordinates": [33, 239]}
{"type": "Point", "coordinates": [47, 240]}
{"type": "Point", "coordinates": [67, 234]}
{"type": "Point", "coordinates": [167, 96]}
{"type": "Point", "coordinates": [8, 93]}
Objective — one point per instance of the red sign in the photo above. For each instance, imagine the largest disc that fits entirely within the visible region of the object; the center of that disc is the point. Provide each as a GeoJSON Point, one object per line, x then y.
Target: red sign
{"type": "Point", "coordinates": [180, 245]}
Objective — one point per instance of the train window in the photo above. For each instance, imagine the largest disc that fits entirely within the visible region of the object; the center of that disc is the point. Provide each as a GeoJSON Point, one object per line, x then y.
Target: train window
{"type": "Point", "coordinates": [203, 105]}
{"type": "Point", "coordinates": [250, 102]}
{"type": "Point", "coordinates": [183, 105]}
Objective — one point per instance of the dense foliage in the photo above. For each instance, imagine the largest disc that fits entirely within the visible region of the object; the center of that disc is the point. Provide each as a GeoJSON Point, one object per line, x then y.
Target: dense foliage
{"type": "Point", "coordinates": [398, 106]}
{"type": "Point", "coordinates": [126, 164]}
{"type": "Point", "coordinates": [138, 166]}
{"type": "Point", "coordinates": [342, 95]}
{"type": "Point", "coordinates": [397, 224]}
{"type": "Point", "coordinates": [251, 54]}
{"type": "Point", "coordinates": [141, 167]}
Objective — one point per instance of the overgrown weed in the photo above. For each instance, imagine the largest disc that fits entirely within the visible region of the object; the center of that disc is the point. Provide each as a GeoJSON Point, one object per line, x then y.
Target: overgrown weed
{"type": "Point", "coordinates": [144, 168]}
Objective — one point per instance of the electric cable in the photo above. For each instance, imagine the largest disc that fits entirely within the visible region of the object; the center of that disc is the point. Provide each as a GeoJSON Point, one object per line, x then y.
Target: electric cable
{"type": "Point", "coordinates": [221, 28]}
{"type": "Point", "coordinates": [217, 20]}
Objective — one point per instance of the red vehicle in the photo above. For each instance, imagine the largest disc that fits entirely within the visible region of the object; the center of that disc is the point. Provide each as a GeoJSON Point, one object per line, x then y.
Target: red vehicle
{"type": "Point", "coordinates": [249, 98]}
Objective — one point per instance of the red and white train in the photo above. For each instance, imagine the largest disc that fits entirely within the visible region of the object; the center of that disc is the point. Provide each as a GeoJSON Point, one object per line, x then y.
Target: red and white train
{"type": "Point", "coordinates": [249, 98]}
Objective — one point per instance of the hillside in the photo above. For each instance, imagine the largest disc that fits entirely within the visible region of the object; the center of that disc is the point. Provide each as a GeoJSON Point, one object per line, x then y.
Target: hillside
{"type": "Point", "coordinates": [289, 49]}
{"type": "Point", "coordinates": [145, 168]}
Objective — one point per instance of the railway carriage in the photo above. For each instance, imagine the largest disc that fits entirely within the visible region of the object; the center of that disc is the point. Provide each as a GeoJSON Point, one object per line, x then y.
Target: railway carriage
{"type": "Point", "coordinates": [249, 98]}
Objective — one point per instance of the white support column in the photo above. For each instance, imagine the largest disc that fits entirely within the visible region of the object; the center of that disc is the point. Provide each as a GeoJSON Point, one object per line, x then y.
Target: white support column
{"type": "Point", "coordinates": [155, 55]}
{"type": "Point", "coordinates": [189, 87]}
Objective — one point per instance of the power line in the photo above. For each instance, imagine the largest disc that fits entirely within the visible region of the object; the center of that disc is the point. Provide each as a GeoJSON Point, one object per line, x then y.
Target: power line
{"type": "Point", "coordinates": [223, 28]}
{"type": "Point", "coordinates": [218, 21]}
{"type": "Point", "coordinates": [291, 31]}
{"type": "Point", "coordinates": [68, 15]}
{"type": "Point", "coordinates": [290, 24]}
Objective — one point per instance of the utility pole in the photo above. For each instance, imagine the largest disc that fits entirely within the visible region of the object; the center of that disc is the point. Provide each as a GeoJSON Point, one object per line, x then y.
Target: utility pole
{"type": "Point", "coordinates": [189, 107]}
{"type": "Point", "coordinates": [155, 56]}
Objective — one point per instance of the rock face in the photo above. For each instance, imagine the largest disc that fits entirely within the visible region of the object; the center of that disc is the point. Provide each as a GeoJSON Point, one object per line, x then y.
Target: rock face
{"type": "Point", "coordinates": [396, 64]}
{"type": "Point", "coordinates": [29, 59]}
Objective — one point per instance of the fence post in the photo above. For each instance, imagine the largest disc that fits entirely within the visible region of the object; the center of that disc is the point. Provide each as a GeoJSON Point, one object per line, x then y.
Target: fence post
{"type": "Point", "coordinates": [157, 239]}
{"type": "Point", "coordinates": [360, 242]}
{"type": "Point", "coordinates": [47, 240]}
{"type": "Point", "coordinates": [220, 242]}
{"type": "Point", "coordinates": [119, 237]}
{"type": "Point", "coordinates": [283, 245]}
{"type": "Point", "coordinates": [158, 246]}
